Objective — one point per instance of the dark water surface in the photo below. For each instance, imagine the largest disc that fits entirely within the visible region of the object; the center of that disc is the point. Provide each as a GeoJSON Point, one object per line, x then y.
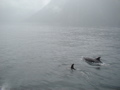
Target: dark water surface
{"type": "Point", "coordinates": [34, 57]}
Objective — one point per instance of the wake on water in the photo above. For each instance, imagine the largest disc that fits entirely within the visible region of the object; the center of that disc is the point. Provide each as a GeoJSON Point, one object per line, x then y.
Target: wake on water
{"type": "Point", "coordinates": [84, 73]}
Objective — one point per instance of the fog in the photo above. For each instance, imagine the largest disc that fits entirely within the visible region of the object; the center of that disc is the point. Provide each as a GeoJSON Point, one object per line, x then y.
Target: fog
{"type": "Point", "coordinates": [19, 10]}
{"type": "Point", "coordinates": [41, 39]}
{"type": "Point", "coordinates": [62, 12]}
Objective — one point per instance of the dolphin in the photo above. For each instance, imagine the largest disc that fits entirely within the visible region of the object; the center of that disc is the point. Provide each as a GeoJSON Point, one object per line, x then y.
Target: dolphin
{"type": "Point", "coordinates": [92, 60]}
{"type": "Point", "coordinates": [72, 67]}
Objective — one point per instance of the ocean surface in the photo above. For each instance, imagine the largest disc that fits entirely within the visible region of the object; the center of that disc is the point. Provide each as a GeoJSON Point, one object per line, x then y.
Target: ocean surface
{"type": "Point", "coordinates": [34, 57]}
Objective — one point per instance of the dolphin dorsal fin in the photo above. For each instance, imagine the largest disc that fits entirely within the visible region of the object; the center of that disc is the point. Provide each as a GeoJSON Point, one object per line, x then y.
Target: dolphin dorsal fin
{"type": "Point", "coordinates": [72, 67]}
{"type": "Point", "coordinates": [98, 58]}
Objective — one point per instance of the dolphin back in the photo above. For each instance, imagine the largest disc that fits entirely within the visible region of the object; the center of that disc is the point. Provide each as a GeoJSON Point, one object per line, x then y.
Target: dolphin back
{"type": "Point", "coordinates": [96, 60]}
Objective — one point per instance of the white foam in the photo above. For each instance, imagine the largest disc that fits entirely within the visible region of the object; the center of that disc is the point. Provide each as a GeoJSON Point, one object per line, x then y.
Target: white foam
{"type": "Point", "coordinates": [104, 64]}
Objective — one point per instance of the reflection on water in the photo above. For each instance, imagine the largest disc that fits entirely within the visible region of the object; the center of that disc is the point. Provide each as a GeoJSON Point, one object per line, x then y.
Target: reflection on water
{"type": "Point", "coordinates": [33, 57]}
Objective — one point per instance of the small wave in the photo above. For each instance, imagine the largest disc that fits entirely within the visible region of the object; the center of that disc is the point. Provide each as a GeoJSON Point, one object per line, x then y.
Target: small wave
{"type": "Point", "coordinates": [94, 64]}
{"type": "Point", "coordinates": [104, 64]}
{"type": "Point", "coordinates": [82, 58]}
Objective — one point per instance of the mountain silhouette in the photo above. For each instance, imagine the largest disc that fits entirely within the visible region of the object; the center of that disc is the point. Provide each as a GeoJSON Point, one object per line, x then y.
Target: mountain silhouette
{"type": "Point", "coordinates": [79, 13]}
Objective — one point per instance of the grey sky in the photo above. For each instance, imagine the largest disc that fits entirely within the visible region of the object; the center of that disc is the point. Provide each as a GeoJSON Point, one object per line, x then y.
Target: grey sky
{"type": "Point", "coordinates": [20, 9]}
{"type": "Point", "coordinates": [78, 12]}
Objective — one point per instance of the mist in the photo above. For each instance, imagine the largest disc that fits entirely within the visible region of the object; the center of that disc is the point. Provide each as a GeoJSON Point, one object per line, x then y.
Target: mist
{"type": "Point", "coordinates": [41, 41]}
{"type": "Point", "coordinates": [17, 11]}
{"type": "Point", "coordinates": [62, 12]}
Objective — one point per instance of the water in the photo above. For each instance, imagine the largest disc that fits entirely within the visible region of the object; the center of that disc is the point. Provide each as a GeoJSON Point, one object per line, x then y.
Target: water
{"type": "Point", "coordinates": [34, 57]}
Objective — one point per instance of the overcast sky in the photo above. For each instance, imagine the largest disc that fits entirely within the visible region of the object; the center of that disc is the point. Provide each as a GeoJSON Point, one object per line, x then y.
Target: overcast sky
{"type": "Point", "coordinates": [20, 9]}
{"type": "Point", "coordinates": [69, 11]}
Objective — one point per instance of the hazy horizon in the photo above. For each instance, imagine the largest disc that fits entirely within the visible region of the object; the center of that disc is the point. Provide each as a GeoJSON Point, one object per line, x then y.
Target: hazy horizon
{"type": "Point", "coordinates": [41, 39]}
{"type": "Point", "coordinates": [62, 12]}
